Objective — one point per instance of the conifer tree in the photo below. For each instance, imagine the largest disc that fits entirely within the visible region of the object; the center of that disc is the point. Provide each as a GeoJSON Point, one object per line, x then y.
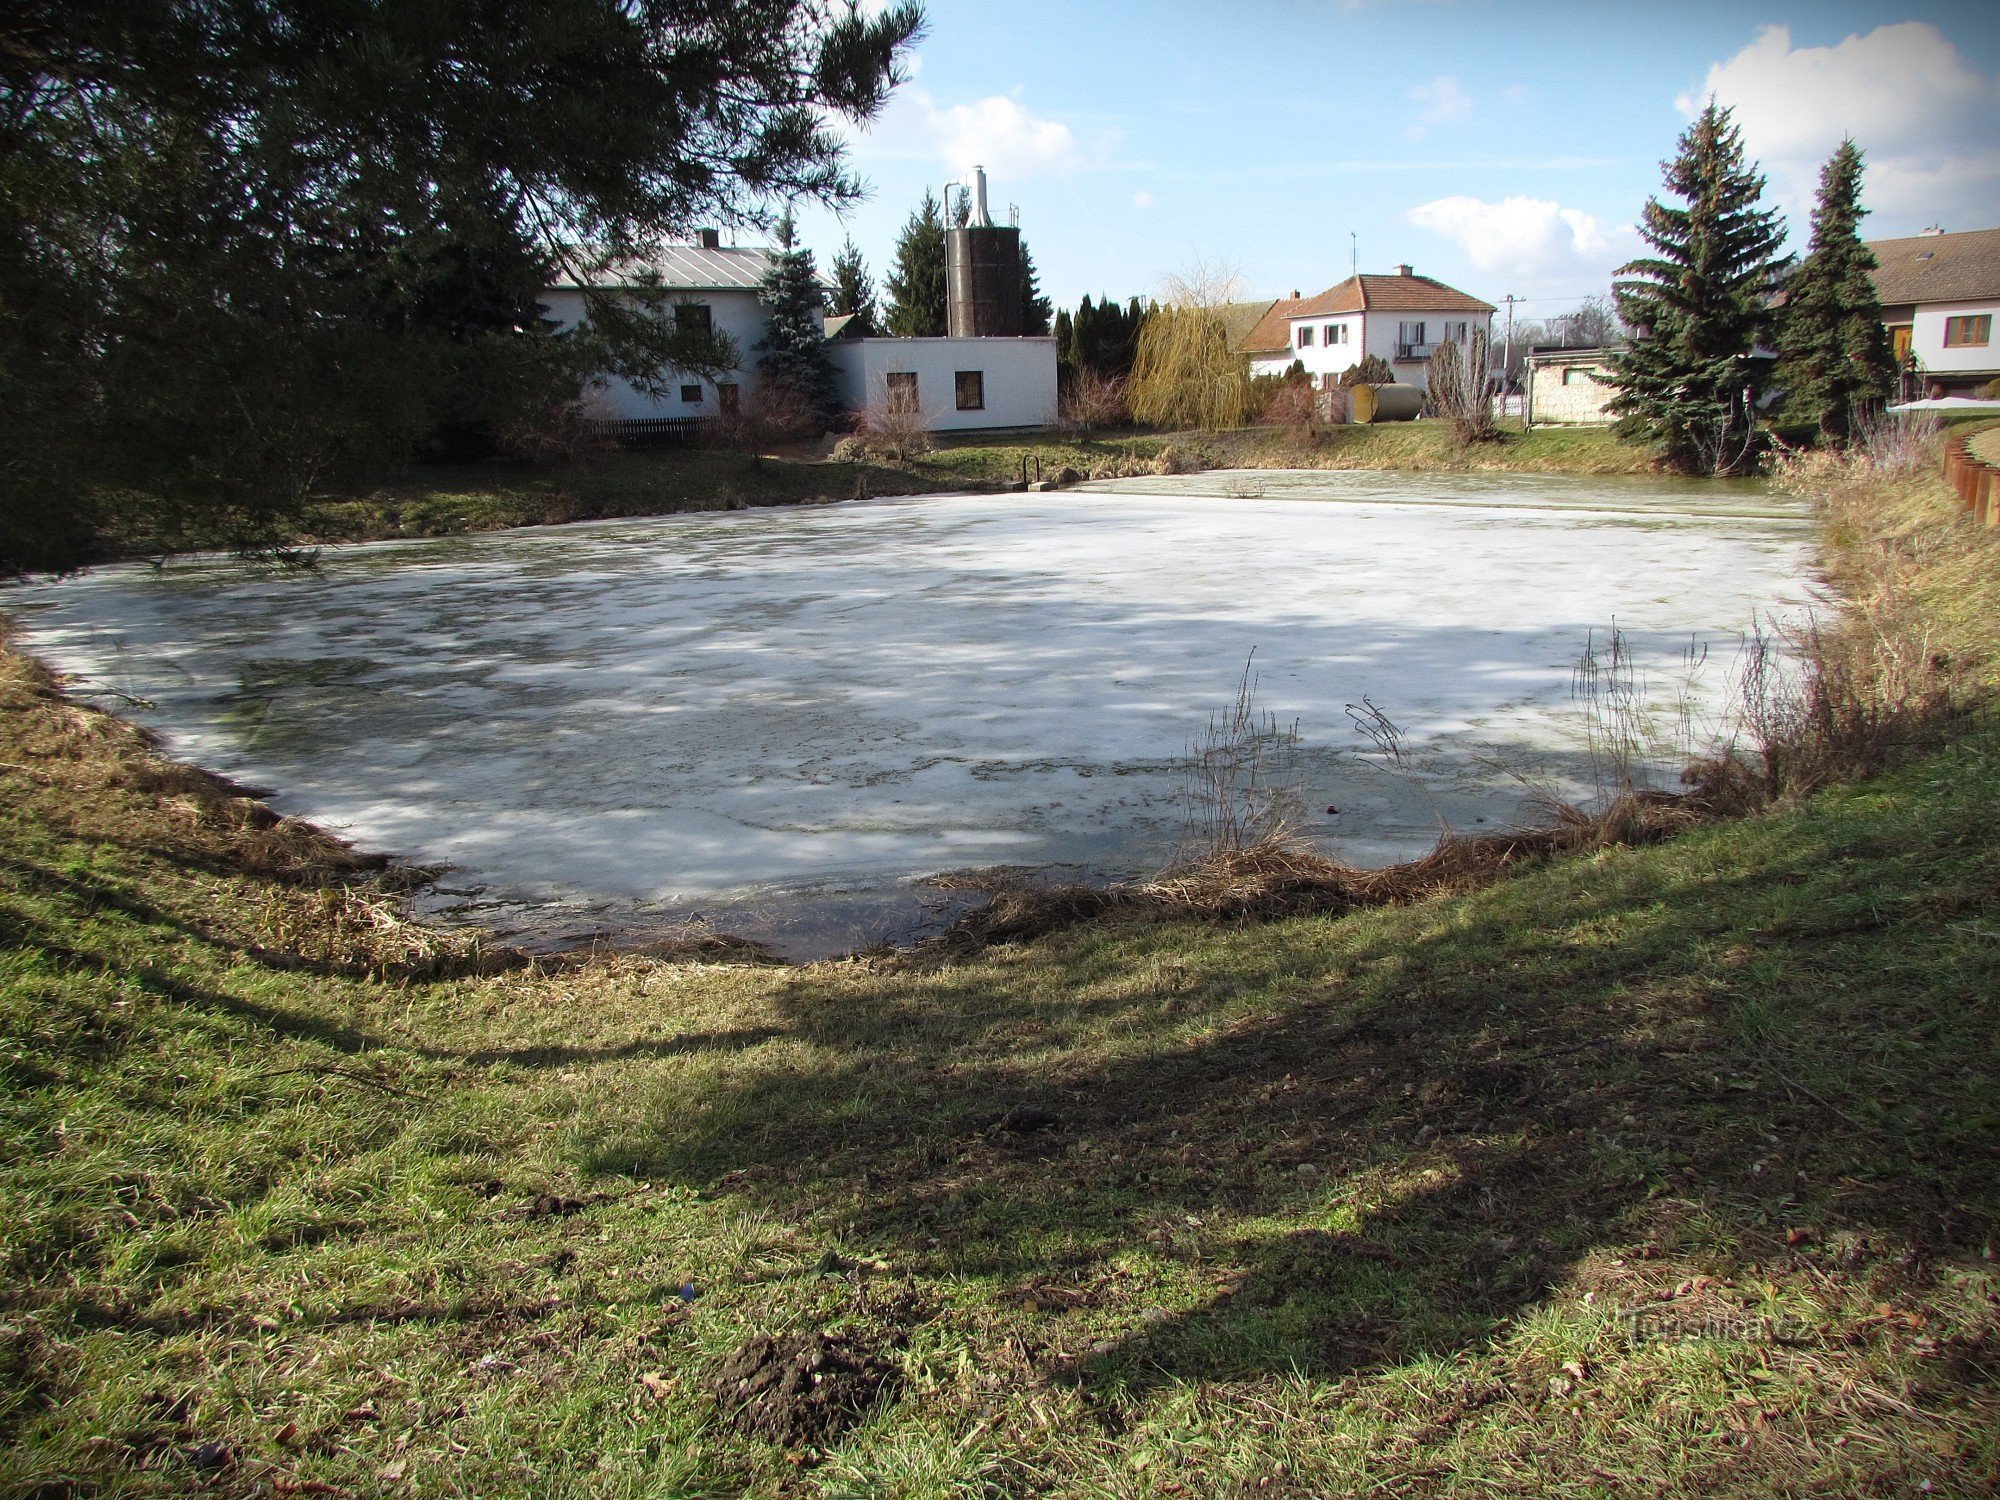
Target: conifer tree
{"type": "Point", "coordinates": [916, 287]}
{"type": "Point", "coordinates": [1035, 308]}
{"type": "Point", "coordinates": [795, 360]}
{"type": "Point", "coordinates": [1700, 305]}
{"type": "Point", "coordinates": [1084, 348]}
{"type": "Point", "coordinates": [1065, 339]}
{"type": "Point", "coordinates": [1833, 352]}
{"type": "Point", "coordinates": [853, 288]}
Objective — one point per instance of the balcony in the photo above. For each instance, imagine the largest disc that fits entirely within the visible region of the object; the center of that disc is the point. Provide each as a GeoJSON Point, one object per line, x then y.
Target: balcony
{"type": "Point", "coordinates": [1407, 354]}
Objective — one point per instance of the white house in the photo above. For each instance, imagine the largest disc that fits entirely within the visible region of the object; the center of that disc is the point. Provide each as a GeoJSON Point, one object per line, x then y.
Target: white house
{"type": "Point", "coordinates": [1940, 294]}
{"type": "Point", "coordinates": [1400, 318]}
{"type": "Point", "coordinates": [712, 284]}
{"type": "Point", "coordinates": [956, 384]}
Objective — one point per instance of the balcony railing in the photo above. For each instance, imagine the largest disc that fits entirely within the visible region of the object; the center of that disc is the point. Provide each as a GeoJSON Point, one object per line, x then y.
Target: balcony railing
{"type": "Point", "coordinates": [1413, 353]}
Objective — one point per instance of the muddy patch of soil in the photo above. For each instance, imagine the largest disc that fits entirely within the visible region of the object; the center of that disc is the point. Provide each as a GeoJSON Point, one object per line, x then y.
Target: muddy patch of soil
{"type": "Point", "coordinates": [799, 1389]}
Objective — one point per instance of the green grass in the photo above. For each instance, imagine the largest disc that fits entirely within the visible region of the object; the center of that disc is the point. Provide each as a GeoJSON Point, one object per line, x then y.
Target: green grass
{"type": "Point", "coordinates": [1357, 1204]}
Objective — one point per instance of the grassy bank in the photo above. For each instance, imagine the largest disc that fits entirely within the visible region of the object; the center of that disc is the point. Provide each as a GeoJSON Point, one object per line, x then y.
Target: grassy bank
{"type": "Point", "coordinates": [1673, 1170]}
{"type": "Point", "coordinates": [445, 499]}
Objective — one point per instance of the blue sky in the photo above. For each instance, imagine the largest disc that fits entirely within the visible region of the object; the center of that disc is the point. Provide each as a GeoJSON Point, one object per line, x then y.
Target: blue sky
{"type": "Point", "coordinates": [1500, 147]}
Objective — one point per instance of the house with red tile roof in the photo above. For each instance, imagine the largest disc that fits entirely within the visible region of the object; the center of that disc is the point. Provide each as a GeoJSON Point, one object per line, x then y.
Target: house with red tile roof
{"type": "Point", "coordinates": [1940, 295]}
{"type": "Point", "coordinates": [1401, 318]}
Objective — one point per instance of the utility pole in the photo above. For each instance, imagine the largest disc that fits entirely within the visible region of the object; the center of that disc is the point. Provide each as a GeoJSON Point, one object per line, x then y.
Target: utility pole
{"type": "Point", "coordinates": [1507, 352]}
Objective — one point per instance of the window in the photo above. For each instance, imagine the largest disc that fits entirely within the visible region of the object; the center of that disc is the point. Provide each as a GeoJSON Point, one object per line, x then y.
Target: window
{"type": "Point", "coordinates": [1305, 338]}
{"type": "Point", "coordinates": [1900, 336]}
{"type": "Point", "coordinates": [971, 388]}
{"type": "Point", "coordinates": [730, 398]}
{"type": "Point", "coordinates": [691, 393]}
{"type": "Point", "coordinates": [1455, 331]}
{"type": "Point", "coordinates": [1968, 332]}
{"type": "Point", "coordinates": [692, 317]}
{"type": "Point", "coordinates": [1336, 333]}
{"type": "Point", "coordinates": [902, 390]}
{"type": "Point", "coordinates": [1410, 333]}
{"type": "Point", "coordinates": [1579, 375]}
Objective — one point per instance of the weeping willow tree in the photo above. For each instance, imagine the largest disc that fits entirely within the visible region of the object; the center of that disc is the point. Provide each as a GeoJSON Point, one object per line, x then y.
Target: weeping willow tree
{"type": "Point", "coordinates": [1184, 373]}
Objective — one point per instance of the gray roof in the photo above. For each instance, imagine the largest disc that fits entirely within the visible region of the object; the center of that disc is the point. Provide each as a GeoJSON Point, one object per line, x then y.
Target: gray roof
{"type": "Point", "coordinates": [1963, 267]}
{"type": "Point", "coordinates": [690, 268]}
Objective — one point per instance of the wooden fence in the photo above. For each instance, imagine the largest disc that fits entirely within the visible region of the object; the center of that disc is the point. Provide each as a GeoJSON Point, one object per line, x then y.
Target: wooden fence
{"type": "Point", "coordinates": [654, 432]}
{"type": "Point", "coordinates": [1974, 481]}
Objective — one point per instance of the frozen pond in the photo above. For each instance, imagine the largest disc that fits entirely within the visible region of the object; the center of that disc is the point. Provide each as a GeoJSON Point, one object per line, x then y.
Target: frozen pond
{"type": "Point", "coordinates": [616, 726]}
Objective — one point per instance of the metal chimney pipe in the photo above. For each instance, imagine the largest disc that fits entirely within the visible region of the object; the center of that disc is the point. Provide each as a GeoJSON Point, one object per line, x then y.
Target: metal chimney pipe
{"type": "Point", "coordinates": [981, 219]}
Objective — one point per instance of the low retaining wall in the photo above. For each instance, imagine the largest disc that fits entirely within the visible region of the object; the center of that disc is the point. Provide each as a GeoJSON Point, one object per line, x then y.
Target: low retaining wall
{"type": "Point", "coordinates": [1974, 481]}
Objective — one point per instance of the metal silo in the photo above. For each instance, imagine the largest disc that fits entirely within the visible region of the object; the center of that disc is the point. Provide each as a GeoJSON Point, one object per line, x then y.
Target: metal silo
{"type": "Point", "coordinates": [983, 273]}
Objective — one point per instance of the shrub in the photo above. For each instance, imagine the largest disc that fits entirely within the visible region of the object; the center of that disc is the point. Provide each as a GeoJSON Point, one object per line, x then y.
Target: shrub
{"type": "Point", "coordinates": [1458, 389]}
{"type": "Point", "coordinates": [1092, 401]}
{"type": "Point", "coordinates": [893, 436]}
{"type": "Point", "coordinates": [563, 434]}
{"type": "Point", "coordinates": [1373, 370]}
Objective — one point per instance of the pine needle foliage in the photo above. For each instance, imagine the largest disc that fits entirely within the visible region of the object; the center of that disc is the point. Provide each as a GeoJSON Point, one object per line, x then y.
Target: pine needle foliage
{"type": "Point", "coordinates": [253, 248]}
{"type": "Point", "coordinates": [853, 288]}
{"type": "Point", "coordinates": [794, 360]}
{"type": "Point", "coordinates": [1700, 305]}
{"type": "Point", "coordinates": [1833, 352]}
{"type": "Point", "coordinates": [916, 287]}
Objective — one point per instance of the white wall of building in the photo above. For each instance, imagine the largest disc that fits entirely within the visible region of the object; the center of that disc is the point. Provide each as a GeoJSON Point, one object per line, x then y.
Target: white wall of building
{"type": "Point", "coordinates": [1569, 393]}
{"type": "Point", "coordinates": [1319, 357]}
{"type": "Point", "coordinates": [1019, 378]}
{"type": "Point", "coordinates": [736, 313]}
{"type": "Point", "coordinates": [1927, 338]}
{"type": "Point", "coordinates": [1377, 333]}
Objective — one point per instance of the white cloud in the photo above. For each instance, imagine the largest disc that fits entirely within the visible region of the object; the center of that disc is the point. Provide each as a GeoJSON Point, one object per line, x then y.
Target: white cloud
{"type": "Point", "coordinates": [1928, 122]}
{"type": "Point", "coordinates": [1142, 199]}
{"type": "Point", "coordinates": [1002, 136]}
{"type": "Point", "coordinates": [997, 132]}
{"type": "Point", "coordinates": [1531, 241]}
{"type": "Point", "coordinates": [1442, 99]}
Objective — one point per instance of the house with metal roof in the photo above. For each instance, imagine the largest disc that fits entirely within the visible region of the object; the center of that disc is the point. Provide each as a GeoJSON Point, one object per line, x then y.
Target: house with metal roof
{"type": "Point", "coordinates": [1940, 293]}
{"type": "Point", "coordinates": [1401, 318]}
{"type": "Point", "coordinates": [711, 284]}
{"type": "Point", "coordinates": [963, 382]}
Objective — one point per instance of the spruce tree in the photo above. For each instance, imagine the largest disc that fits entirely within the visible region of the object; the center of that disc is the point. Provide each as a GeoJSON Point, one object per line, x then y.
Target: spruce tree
{"type": "Point", "coordinates": [1700, 305]}
{"type": "Point", "coordinates": [853, 288]}
{"type": "Point", "coordinates": [1833, 352]}
{"type": "Point", "coordinates": [794, 359]}
{"type": "Point", "coordinates": [1035, 308]}
{"type": "Point", "coordinates": [916, 286]}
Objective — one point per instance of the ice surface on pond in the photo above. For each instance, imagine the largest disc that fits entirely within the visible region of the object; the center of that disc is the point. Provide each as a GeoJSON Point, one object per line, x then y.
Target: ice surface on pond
{"type": "Point", "coordinates": [612, 724]}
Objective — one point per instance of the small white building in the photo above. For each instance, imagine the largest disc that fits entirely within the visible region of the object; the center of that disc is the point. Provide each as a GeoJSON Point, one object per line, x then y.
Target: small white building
{"type": "Point", "coordinates": [956, 384]}
{"type": "Point", "coordinates": [1569, 388]}
{"type": "Point", "coordinates": [1940, 295]}
{"type": "Point", "coordinates": [1401, 319]}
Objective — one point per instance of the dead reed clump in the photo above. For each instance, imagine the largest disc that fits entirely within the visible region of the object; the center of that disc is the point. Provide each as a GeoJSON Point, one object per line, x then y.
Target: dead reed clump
{"type": "Point", "coordinates": [355, 930]}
